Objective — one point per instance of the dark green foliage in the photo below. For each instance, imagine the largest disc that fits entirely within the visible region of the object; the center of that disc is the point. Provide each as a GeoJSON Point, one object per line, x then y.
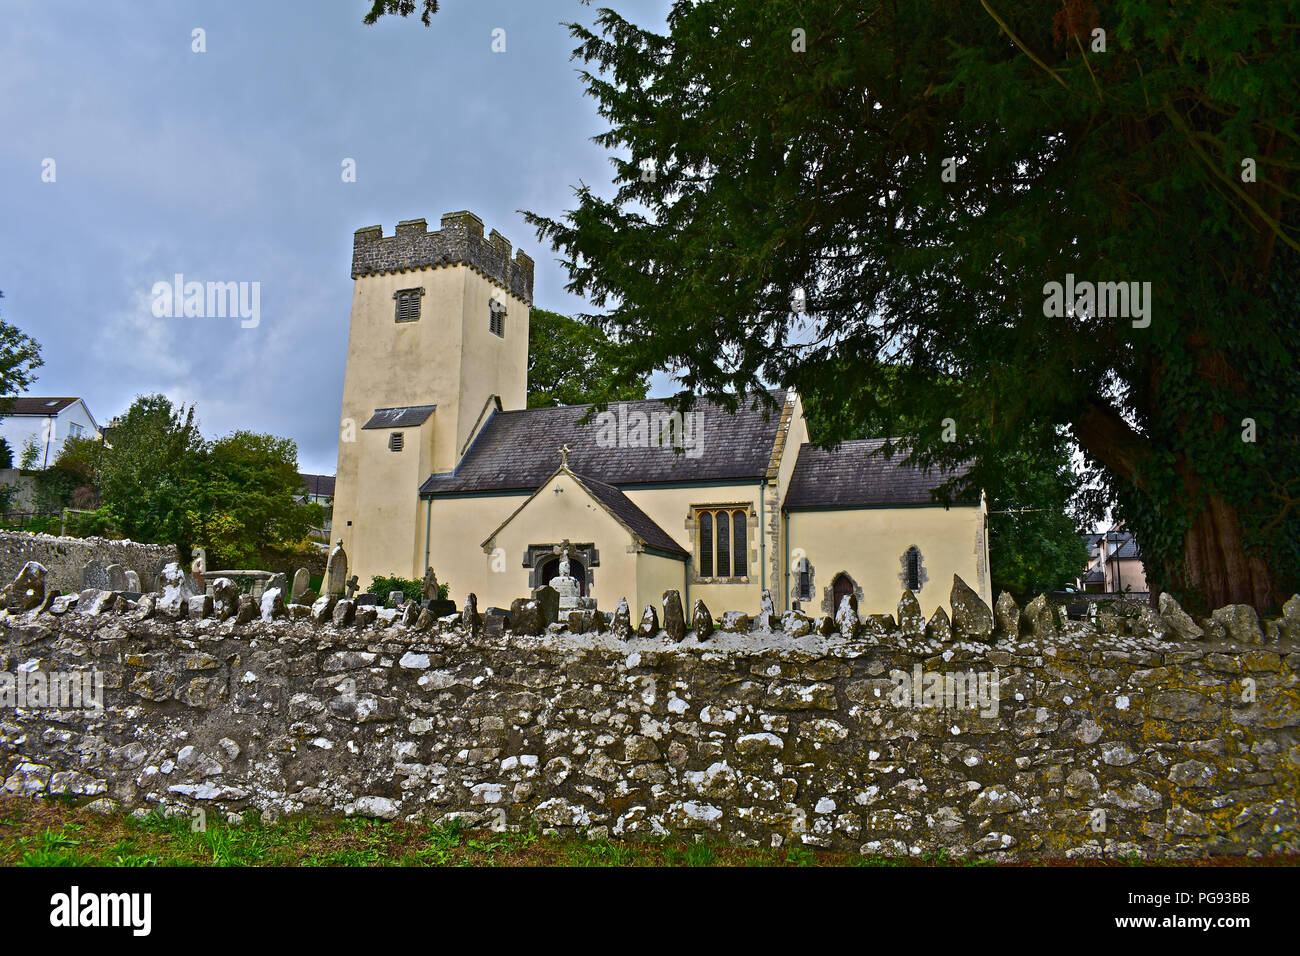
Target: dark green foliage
{"type": "Point", "coordinates": [6, 454]}
{"type": "Point", "coordinates": [235, 495]}
{"type": "Point", "coordinates": [573, 363]}
{"type": "Point", "coordinates": [20, 356]}
{"type": "Point", "coordinates": [247, 498]}
{"type": "Point", "coordinates": [402, 8]}
{"type": "Point", "coordinates": [150, 477]}
{"type": "Point", "coordinates": [412, 589]}
{"type": "Point", "coordinates": [822, 170]}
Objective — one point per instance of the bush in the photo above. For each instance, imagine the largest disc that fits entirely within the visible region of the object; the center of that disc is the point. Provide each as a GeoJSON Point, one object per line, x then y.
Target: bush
{"type": "Point", "coordinates": [6, 454]}
{"type": "Point", "coordinates": [94, 524]}
{"type": "Point", "coordinates": [412, 589]}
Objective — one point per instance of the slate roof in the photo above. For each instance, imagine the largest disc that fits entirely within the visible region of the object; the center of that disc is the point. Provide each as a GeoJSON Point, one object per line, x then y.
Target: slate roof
{"type": "Point", "coordinates": [853, 475]}
{"type": "Point", "coordinates": [322, 485]}
{"type": "Point", "coordinates": [518, 450]}
{"type": "Point", "coordinates": [1128, 549]}
{"type": "Point", "coordinates": [625, 508]}
{"type": "Point", "coordinates": [37, 406]}
{"type": "Point", "coordinates": [400, 417]}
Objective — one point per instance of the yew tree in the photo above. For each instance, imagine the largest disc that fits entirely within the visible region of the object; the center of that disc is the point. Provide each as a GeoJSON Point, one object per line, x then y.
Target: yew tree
{"type": "Point", "coordinates": [814, 192]}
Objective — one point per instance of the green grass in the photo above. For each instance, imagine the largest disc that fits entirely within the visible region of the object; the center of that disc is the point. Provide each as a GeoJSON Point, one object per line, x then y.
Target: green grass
{"type": "Point", "coordinates": [50, 833]}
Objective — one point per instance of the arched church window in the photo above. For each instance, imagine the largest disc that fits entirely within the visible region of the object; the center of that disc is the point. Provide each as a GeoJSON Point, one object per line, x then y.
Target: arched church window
{"type": "Point", "coordinates": [706, 544]}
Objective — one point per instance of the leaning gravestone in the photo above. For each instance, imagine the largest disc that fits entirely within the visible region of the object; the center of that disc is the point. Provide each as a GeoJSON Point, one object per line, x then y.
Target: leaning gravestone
{"type": "Point", "coordinates": [95, 575]}
{"type": "Point", "coordinates": [278, 581]}
{"type": "Point", "coordinates": [132, 582]}
{"type": "Point", "coordinates": [548, 598]}
{"type": "Point", "coordinates": [301, 584]}
{"type": "Point", "coordinates": [336, 572]}
{"type": "Point", "coordinates": [116, 577]}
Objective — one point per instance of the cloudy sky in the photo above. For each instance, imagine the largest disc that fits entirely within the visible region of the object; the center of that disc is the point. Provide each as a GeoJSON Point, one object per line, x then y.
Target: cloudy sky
{"type": "Point", "coordinates": [226, 166]}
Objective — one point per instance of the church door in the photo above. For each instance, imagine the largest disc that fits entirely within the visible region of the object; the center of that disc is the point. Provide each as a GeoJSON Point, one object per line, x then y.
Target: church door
{"type": "Point", "coordinates": [552, 567]}
{"type": "Point", "coordinates": [839, 588]}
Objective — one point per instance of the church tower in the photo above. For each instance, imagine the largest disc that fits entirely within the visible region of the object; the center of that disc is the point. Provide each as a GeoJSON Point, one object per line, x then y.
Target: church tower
{"type": "Point", "coordinates": [439, 337]}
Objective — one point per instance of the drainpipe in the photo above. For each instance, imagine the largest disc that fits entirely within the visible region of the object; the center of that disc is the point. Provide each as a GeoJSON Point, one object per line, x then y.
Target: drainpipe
{"type": "Point", "coordinates": [428, 521]}
{"type": "Point", "coordinates": [785, 562]}
{"type": "Point", "coordinates": [762, 540]}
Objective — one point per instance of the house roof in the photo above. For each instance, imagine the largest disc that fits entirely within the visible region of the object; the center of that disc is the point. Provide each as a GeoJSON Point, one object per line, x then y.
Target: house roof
{"type": "Point", "coordinates": [1128, 548]}
{"type": "Point", "coordinates": [856, 475]}
{"type": "Point", "coordinates": [318, 485]}
{"type": "Point", "coordinates": [400, 417]}
{"type": "Point", "coordinates": [36, 406]}
{"type": "Point", "coordinates": [518, 450]}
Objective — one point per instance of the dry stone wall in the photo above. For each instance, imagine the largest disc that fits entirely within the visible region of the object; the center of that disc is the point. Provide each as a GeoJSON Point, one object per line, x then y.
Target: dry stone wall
{"type": "Point", "coordinates": [66, 558]}
{"type": "Point", "coordinates": [1083, 742]}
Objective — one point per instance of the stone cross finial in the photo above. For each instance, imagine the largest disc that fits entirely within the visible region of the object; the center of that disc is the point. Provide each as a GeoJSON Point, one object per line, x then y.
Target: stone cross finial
{"type": "Point", "coordinates": [563, 549]}
{"type": "Point", "coordinates": [564, 456]}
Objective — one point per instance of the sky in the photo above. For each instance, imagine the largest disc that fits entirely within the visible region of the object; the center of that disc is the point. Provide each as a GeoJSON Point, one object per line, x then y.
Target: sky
{"type": "Point", "coordinates": [227, 166]}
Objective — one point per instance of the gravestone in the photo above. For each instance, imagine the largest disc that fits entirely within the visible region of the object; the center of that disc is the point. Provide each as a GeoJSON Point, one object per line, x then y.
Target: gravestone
{"type": "Point", "coordinates": [95, 575]}
{"type": "Point", "coordinates": [352, 587]}
{"type": "Point", "coordinates": [548, 598]}
{"type": "Point", "coordinates": [469, 616]}
{"type": "Point", "coordinates": [301, 584]}
{"type": "Point", "coordinates": [132, 582]}
{"type": "Point", "coordinates": [429, 586]}
{"type": "Point", "coordinates": [368, 600]}
{"type": "Point", "coordinates": [280, 582]}
{"type": "Point", "coordinates": [396, 598]}
{"type": "Point", "coordinates": [336, 572]}
{"type": "Point", "coordinates": [116, 577]}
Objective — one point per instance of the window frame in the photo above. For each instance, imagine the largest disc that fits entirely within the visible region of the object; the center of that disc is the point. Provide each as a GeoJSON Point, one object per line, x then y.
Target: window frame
{"type": "Point", "coordinates": [705, 519]}
{"type": "Point", "coordinates": [400, 296]}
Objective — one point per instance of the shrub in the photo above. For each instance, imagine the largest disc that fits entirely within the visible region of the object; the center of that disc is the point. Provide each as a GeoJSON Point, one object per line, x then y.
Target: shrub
{"type": "Point", "coordinates": [6, 454]}
{"type": "Point", "coordinates": [93, 524]}
{"type": "Point", "coordinates": [412, 589]}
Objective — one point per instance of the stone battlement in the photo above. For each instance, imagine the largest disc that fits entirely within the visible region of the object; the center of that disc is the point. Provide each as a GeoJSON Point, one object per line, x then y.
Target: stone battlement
{"type": "Point", "coordinates": [460, 241]}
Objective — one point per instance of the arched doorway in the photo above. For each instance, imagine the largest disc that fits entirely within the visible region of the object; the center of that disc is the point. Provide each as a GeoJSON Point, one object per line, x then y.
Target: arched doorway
{"type": "Point", "coordinates": [552, 567]}
{"type": "Point", "coordinates": [841, 587]}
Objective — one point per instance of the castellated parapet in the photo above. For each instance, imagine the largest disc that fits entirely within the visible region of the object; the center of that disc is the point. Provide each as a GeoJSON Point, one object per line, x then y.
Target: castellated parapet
{"type": "Point", "coordinates": [460, 241]}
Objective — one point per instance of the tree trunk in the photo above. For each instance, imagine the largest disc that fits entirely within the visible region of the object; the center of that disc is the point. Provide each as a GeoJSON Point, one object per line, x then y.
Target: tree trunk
{"type": "Point", "coordinates": [1215, 563]}
{"type": "Point", "coordinates": [1215, 568]}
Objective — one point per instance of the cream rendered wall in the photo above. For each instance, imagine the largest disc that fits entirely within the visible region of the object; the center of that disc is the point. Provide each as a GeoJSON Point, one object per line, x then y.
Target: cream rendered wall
{"type": "Point", "coordinates": [869, 544]}
{"type": "Point", "coordinates": [656, 574]}
{"type": "Point", "coordinates": [573, 514]}
{"type": "Point", "coordinates": [457, 527]}
{"type": "Point", "coordinates": [670, 508]}
{"type": "Point", "coordinates": [388, 542]}
{"type": "Point", "coordinates": [447, 358]}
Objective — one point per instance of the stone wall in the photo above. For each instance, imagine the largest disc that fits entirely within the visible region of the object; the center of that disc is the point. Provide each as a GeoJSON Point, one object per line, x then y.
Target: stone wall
{"type": "Point", "coordinates": [65, 558]}
{"type": "Point", "coordinates": [1103, 741]}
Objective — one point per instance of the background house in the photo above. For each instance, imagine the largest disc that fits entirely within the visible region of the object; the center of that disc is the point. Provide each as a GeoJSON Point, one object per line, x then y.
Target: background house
{"type": "Point", "coordinates": [45, 422]}
{"type": "Point", "coordinates": [1114, 564]}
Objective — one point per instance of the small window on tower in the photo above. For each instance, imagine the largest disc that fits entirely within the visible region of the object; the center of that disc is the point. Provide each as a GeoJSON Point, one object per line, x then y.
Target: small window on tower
{"type": "Point", "coordinates": [497, 317]}
{"type": "Point", "coordinates": [395, 441]}
{"type": "Point", "coordinates": [408, 304]}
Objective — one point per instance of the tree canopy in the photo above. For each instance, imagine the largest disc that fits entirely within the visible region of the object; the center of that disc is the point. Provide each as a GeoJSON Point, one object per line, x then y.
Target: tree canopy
{"type": "Point", "coordinates": [237, 496]}
{"type": "Point", "coordinates": [573, 363]}
{"type": "Point", "coordinates": [20, 356]}
{"type": "Point", "coordinates": [807, 192]}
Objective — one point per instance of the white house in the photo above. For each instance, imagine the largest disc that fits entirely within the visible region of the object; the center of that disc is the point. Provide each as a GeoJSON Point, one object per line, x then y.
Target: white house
{"type": "Point", "coordinates": [46, 423]}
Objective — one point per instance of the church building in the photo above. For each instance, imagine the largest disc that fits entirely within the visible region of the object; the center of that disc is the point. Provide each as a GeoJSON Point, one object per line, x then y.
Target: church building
{"type": "Point", "coordinates": [442, 465]}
